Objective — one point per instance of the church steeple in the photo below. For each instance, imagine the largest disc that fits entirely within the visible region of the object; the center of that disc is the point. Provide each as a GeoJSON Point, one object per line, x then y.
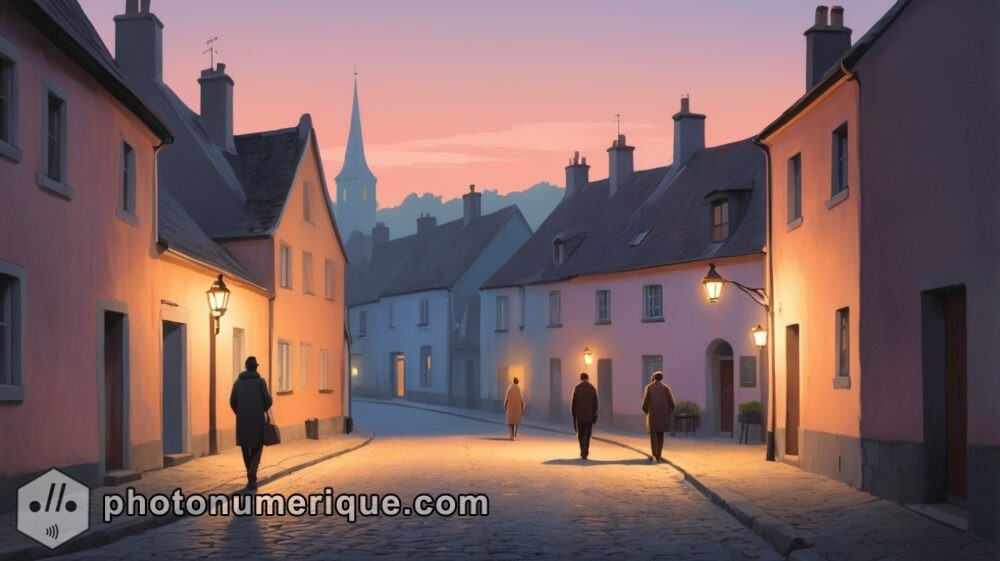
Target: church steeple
{"type": "Point", "coordinates": [356, 203]}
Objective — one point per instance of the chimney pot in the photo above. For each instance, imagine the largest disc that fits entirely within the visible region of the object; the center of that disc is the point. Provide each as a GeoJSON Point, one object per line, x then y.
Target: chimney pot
{"type": "Point", "coordinates": [689, 132]}
{"type": "Point", "coordinates": [577, 175]}
{"type": "Point", "coordinates": [139, 43]}
{"type": "Point", "coordinates": [131, 6]}
{"type": "Point", "coordinates": [826, 43]}
{"type": "Point", "coordinates": [220, 68]}
{"type": "Point", "coordinates": [837, 16]}
{"type": "Point", "coordinates": [821, 16]}
{"type": "Point", "coordinates": [685, 104]}
{"type": "Point", "coordinates": [145, 6]}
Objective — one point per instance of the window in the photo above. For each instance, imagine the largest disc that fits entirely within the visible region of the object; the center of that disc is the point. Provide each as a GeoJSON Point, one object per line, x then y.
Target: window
{"type": "Point", "coordinates": [839, 159]}
{"type": "Point", "coordinates": [11, 330]}
{"type": "Point", "coordinates": [558, 252]}
{"type": "Point", "coordinates": [286, 266]}
{"type": "Point", "coordinates": [603, 306]}
{"type": "Point", "coordinates": [126, 199]}
{"type": "Point", "coordinates": [362, 323]}
{"type": "Point", "coordinates": [328, 269]}
{"type": "Point", "coordinates": [324, 370]}
{"type": "Point", "coordinates": [794, 188]}
{"type": "Point", "coordinates": [425, 366]}
{"type": "Point", "coordinates": [307, 214]}
{"type": "Point", "coordinates": [239, 351]}
{"type": "Point", "coordinates": [304, 350]}
{"type": "Point", "coordinates": [652, 302]}
{"type": "Point", "coordinates": [307, 272]}
{"type": "Point", "coordinates": [55, 138]}
{"type": "Point", "coordinates": [8, 101]}
{"type": "Point", "coordinates": [555, 309]}
{"type": "Point", "coordinates": [844, 343]}
{"type": "Point", "coordinates": [503, 313]}
{"type": "Point", "coordinates": [425, 312]}
{"type": "Point", "coordinates": [720, 220]}
{"type": "Point", "coordinates": [650, 364]}
{"type": "Point", "coordinates": [343, 195]}
{"type": "Point", "coordinates": [284, 366]}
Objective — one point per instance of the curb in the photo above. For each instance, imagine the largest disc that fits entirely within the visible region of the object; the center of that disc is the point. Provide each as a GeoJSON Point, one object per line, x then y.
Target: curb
{"type": "Point", "coordinates": [785, 539]}
{"type": "Point", "coordinates": [111, 533]}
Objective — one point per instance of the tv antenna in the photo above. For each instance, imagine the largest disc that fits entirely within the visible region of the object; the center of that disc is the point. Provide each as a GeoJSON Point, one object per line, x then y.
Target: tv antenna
{"type": "Point", "coordinates": [211, 51]}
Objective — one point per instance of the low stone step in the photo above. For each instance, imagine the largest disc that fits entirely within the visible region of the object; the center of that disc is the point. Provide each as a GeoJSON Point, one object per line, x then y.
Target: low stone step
{"type": "Point", "coordinates": [170, 460]}
{"type": "Point", "coordinates": [121, 477]}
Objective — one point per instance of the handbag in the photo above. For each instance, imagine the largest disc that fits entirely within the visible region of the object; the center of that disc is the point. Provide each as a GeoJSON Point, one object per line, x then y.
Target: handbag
{"type": "Point", "coordinates": [272, 435]}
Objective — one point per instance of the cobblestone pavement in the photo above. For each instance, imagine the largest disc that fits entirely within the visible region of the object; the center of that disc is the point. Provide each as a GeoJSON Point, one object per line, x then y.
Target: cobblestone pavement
{"type": "Point", "coordinates": [544, 503]}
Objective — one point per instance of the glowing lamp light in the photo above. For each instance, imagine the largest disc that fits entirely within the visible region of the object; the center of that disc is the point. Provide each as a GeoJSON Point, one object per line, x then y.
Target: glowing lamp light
{"type": "Point", "coordinates": [588, 357]}
{"type": "Point", "coordinates": [218, 300]}
{"type": "Point", "coordinates": [759, 336]}
{"type": "Point", "coordinates": [354, 371]}
{"type": "Point", "coordinates": [713, 282]}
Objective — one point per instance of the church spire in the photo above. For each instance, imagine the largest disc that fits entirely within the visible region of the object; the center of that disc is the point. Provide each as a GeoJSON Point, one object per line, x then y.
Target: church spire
{"type": "Point", "coordinates": [355, 165]}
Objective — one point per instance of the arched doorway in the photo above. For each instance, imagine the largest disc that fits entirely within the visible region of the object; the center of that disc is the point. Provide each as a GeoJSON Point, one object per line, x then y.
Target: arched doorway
{"type": "Point", "coordinates": [719, 417]}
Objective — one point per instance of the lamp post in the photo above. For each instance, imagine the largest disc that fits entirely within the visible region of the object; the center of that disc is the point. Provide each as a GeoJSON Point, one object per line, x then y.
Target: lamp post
{"type": "Point", "coordinates": [218, 302]}
{"type": "Point", "coordinates": [713, 283]}
{"type": "Point", "coordinates": [588, 357]}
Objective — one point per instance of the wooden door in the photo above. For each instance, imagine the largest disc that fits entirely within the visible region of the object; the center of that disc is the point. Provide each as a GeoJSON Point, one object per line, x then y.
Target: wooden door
{"type": "Point", "coordinates": [726, 399]}
{"type": "Point", "coordinates": [555, 389]}
{"type": "Point", "coordinates": [604, 390]}
{"type": "Point", "coordinates": [114, 391]}
{"type": "Point", "coordinates": [792, 390]}
{"type": "Point", "coordinates": [956, 398]}
{"type": "Point", "coordinates": [173, 388]}
{"type": "Point", "coordinates": [400, 375]}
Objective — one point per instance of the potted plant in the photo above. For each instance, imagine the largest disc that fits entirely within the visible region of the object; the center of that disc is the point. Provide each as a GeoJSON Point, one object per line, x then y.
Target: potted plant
{"type": "Point", "coordinates": [750, 413]}
{"type": "Point", "coordinates": [687, 413]}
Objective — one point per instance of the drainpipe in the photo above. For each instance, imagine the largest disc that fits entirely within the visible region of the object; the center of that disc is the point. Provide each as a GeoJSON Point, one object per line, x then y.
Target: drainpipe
{"type": "Point", "coordinates": [769, 271]}
{"type": "Point", "coordinates": [270, 342]}
{"type": "Point", "coordinates": [451, 343]}
{"type": "Point", "coordinates": [852, 75]}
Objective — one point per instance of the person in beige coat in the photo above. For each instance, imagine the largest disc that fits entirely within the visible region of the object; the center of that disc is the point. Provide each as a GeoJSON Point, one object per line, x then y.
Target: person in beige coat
{"type": "Point", "coordinates": [513, 404]}
{"type": "Point", "coordinates": [658, 405]}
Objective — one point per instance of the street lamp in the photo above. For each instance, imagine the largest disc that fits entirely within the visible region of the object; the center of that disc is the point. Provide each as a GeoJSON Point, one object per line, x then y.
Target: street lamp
{"type": "Point", "coordinates": [713, 282]}
{"type": "Point", "coordinates": [218, 300]}
{"type": "Point", "coordinates": [759, 336]}
{"type": "Point", "coordinates": [588, 357]}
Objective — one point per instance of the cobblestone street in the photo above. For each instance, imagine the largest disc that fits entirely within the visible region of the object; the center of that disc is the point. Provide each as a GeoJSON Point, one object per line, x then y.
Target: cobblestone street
{"type": "Point", "coordinates": [544, 503]}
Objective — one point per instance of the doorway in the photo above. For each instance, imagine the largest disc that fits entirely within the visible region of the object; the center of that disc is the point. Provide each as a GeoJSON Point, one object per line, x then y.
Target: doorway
{"type": "Point", "coordinates": [555, 389]}
{"type": "Point", "coordinates": [114, 391]}
{"type": "Point", "coordinates": [945, 333]}
{"type": "Point", "coordinates": [398, 375]}
{"type": "Point", "coordinates": [792, 390]}
{"type": "Point", "coordinates": [174, 387]}
{"type": "Point", "coordinates": [726, 397]}
{"type": "Point", "coordinates": [604, 390]}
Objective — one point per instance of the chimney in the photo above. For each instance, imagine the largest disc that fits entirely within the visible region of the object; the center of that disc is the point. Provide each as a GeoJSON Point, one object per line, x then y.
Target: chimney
{"type": "Point", "coordinates": [426, 224]}
{"type": "Point", "coordinates": [577, 175]}
{"type": "Point", "coordinates": [620, 164]}
{"type": "Point", "coordinates": [826, 43]}
{"type": "Point", "coordinates": [689, 133]}
{"type": "Point", "coordinates": [217, 106]}
{"type": "Point", "coordinates": [380, 234]}
{"type": "Point", "coordinates": [472, 203]}
{"type": "Point", "coordinates": [139, 43]}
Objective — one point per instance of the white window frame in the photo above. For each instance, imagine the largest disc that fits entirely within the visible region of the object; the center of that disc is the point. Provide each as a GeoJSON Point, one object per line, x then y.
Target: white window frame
{"type": "Point", "coordinates": [503, 313]}
{"type": "Point", "coordinates": [285, 265]}
{"type": "Point", "coordinates": [284, 366]}
{"type": "Point", "coordinates": [12, 386]}
{"type": "Point", "coordinates": [324, 370]}
{"type": "Point", "coordinates": [555, 308]}
{"type": "Point", "coordinates": [127, 203]}
{"type": "Point", "coordinates": [605, 318]}
{"type": "Point", "coordinates": [840, 139]}
{"type": "Point", "coordinates": [307, 272]}
{"type": "Point", "coordinates": [11, 57]}
{"type": "Point", "coordinates": [649, 299]}
{"type": "Point", "coordinates": [57, 185]}
{"type": "Point", "coordinates": [328, 283]}
{"type": "Point", "coordinates": [305, 349]}
{"type": "Point", "coordinates": [650, 364]}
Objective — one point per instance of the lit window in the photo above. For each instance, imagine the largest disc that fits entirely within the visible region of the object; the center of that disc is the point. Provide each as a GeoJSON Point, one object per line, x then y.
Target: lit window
{"type": "Point", "coordinates": [603, 306]}
{"type": "Point", "coordinates": [795, 187]}
{"type": "Point", "coordinates": [652, 302]}
{"type": "Point", "coordinates": [839, 159]}
{"type": "Point", "coordinates": [127, 197]}
{"type": "Point", "coordinates": [720, 220]}
{"type": "Point", "coordinates": [555, 309]}
{"type": "Point", "coordinates": [284, 366]}
{"type": "Point", "coordinates": [425, 366]}
{"type": "Point", "coordinates": [425, 312]}
{"type": "Point", "coordinates": [307, 272]}
{"type": "Point", "coordinates": [843, 342]}
{"type": "Point", "coordinates": [286, 266]}
{"type": "Point", "coordinates": [503, 313]}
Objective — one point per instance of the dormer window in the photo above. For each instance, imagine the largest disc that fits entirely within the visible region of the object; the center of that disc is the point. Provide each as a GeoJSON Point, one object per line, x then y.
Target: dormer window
{"type": "Point", "coordinates": [720, 220]}
{"type": "Point", "coordinates": [558, 252]}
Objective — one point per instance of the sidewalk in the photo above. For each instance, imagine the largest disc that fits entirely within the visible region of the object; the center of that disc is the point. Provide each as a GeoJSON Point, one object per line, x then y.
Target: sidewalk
{"type": "Point", "coordinates": [223, 473]}
{"type": "Point", "coordinates": [801, 514]}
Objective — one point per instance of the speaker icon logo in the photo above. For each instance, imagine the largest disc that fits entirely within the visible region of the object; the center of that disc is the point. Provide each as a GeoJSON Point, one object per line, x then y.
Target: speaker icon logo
{"type": "Point", "coordinates": [53, 508]}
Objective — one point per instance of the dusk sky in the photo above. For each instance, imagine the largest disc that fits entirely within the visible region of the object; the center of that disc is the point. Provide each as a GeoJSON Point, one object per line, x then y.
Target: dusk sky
{"type": "Point", "coordinates": [498, 94]}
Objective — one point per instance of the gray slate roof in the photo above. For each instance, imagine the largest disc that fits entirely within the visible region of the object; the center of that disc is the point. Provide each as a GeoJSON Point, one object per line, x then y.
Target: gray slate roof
{"type": "Point", "coordinates": [417, 263]}
{"type": "Point", "coordinates": [66, 25]}
{"type": "Point", "coordinates": [669, 205]}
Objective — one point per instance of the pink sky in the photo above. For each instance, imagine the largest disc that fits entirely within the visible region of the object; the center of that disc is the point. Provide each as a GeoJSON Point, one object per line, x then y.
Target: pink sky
{"type": "Point", "coordinates": [494, 93]}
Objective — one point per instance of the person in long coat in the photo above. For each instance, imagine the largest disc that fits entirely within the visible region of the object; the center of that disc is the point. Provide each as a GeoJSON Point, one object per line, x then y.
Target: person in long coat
{"type": "Point", "coordinates": [584, 409]}
{"type": "Point", "coordinates": [513, 404]}
{"type": "Point", "coordinates": [250, 399]}
{"type": "Point", "coordinates": [658, 405]}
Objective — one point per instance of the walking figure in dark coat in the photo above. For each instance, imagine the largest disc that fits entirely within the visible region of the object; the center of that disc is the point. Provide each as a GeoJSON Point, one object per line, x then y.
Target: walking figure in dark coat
{"type": "Point", "coordinates": [584, 409]}
{"type": "Point", "coordinates": [658, 405]}
{"type": "Point", "coordinates": [250, 399]}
